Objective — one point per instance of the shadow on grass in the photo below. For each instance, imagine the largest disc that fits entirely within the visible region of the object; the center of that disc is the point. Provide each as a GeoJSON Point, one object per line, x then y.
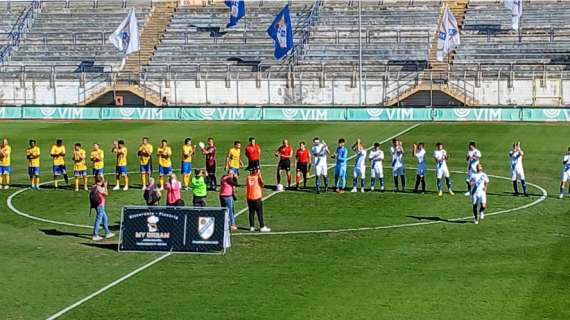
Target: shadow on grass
{"type": "Point", "coordinates": [438, 219]}
{"type": "Point", "coordinates": [57, 233]}
{"type": "Point", "coordinates": [108, 246]}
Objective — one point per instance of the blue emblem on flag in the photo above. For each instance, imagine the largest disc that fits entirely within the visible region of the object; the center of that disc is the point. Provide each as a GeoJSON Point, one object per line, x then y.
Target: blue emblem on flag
{"type": "Point", "coordinates": [237, 11]}
{"type": "Point", "coordinates": [281, 31]}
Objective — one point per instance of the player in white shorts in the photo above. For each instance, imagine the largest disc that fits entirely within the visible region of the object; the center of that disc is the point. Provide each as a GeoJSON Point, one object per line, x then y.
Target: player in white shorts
{"type": "Point", "coordinates": [565, 173]}
{"type": "Point", "coordinates": [479, 182]}
{"type": "Point", "coordinates": [419, 152]}
{"type": "Point", "coordinates": [359, 170]}
{"type": "Point", "coordinates": [397, 151]}
{"type": "Point", "coordinates": [376, 156]}
{"type": "Point", "coordinates": [320, 152]}
{"type": "Point", "coordinates": [473, 157]}
{"type": "Point", "coordinates": [516, 155]}
{"type": "Point", "coordinates": [441, 169]}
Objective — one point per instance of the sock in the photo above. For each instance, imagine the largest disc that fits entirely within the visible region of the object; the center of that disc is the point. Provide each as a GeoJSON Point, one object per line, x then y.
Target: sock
{"type": "Point", "coordinates": [515, 187]}
{"type": "Point", "coordinates": [362, 183]}
{"type": "Point", "coordinates": [7, 180]}
{"type": "Point", "coordinates": [468, 186]}
{"type": "Point", "coordinates": [403, 178]}
{"type": "Point", "coordinates": [55, 183]}
{"type": "Point", "coordinates": [76, 183]}
{"type": "Point", "coordinates": [143, 178]}
{"type": "Point", "coordinates": [318, 182]}
{"type": "Point", "coordinates": [561, 190]}
{"type": "Point", "coordinates": [162, 182]}
{"type": "Point", "coordinates": [66, 178]}
{"type": "Point", "coordinates": [354, 182]}
{"type": "Point", "coordinates": [305, 180]}
{"type": "Point", "coordinates": [423, 184]}
{"type": "Point", "coordinates": [523, 183]}
{"type": "Point", "coordinates": [381, 182]}
{"type": "Point", "coordinates": [475, 215]}
{"type": "Point", "coordinates": [396, 182]}
{"type": "Point", "coordinates": [372, 182]}
{"type": "Point", "coordinates": [85, 182]}
{"type": "Point", "coordinates": [117, 181]}
{"type": "Point", "coordinates": [126, 181]}
{"type": "Point", "coordinates": [298, 180]}
{"type": "Point", "coordinates": [418, 180]}
{"type": "Point", "coordinates": [278, 177]}
{"type": "Point", "coordinates": [482, 210]}
{"type": "Point", "coordinates": [448, 182]}
{"type": "Point", "coordinates": [186, 179]}
{"type": "Point", "coordinates": [326, 182]}
{"type": "Point", "coordinates": [439, 186]}
{"type": "Point", "coordinates": [37, 181]}
{"type": "Point", "coordinates": [288, 179]}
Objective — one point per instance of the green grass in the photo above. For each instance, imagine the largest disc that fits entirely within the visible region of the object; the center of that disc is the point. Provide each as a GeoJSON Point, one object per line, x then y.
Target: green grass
{"type": "Point", "coordinates": [512, 266]}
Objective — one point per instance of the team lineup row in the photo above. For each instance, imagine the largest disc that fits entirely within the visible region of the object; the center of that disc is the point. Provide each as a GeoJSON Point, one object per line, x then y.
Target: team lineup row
{"type": "Point", "coordinates": [317, 156]}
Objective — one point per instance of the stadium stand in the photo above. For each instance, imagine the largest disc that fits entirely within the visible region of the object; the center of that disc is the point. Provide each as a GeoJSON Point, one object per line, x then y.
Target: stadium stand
{"type": "Point", "coordinates": [64, 36]}
{"type": "Point", "coordinates": [489, 41]}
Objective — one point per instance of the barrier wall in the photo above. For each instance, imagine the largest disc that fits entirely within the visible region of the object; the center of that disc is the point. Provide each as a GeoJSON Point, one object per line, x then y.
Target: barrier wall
{"type": "Point", "coordinates": [287, 114]}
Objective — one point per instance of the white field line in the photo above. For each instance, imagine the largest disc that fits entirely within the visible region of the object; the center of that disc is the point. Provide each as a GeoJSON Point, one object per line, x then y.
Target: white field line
{"type": "Point", "coordinates": [107, 287]}
{"type": "Point", "coordinates": [349, 158]}
{"type": "Point", "coordinates": [127, 276]}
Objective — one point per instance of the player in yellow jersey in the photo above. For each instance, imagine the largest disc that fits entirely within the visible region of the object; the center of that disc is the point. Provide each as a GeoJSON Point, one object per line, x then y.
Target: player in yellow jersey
{"type": "Point", "coordinates": [98, 160]}
{"type": "Point", "coordinates": [5, 165]}
{"type": "Point", "coordinates": [57, 153]}
{"type": "Point", "coordinates": [121, 170]}
{"type": "Point", "coordinates": [79, 166]}
{"type": "Point", "coordinates": [233, 160]}
{"type": "Point", "coordinates": [188, 151]}
{"type": "Point", "coordinates": [164, 161]}
{"type": "Point", "coordinates": [33, 156]}
{"type": "Point", "coordinates": [145, 160]}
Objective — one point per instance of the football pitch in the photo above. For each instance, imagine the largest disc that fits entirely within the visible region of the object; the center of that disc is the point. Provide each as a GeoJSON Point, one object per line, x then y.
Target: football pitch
{"type": "Point", "coordinates": [350, 256]}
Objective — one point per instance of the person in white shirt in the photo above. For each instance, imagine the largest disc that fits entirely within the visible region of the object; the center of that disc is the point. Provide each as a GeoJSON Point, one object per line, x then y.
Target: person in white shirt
{"type": "Point", "coordinates": [473, 157]}
{"type": "Point", "coordinates": [516, 155]}
{"type": "Point", "coordinates": [441, 169]}
{"type": "Point", "coordinates": [565, 173]}
{"type": "Point", "coordinates": [376, 156]}
{"type": "Point", "coordinates": [419, 152]}
{"type": "Point", "coordinates": [359, 170]}
{"type": "Point", "coordinates": [479, 183]}
{"type": "Point", "coordinates": [320, 152]}
{"type": "Point", "coordinates": [397, 151]}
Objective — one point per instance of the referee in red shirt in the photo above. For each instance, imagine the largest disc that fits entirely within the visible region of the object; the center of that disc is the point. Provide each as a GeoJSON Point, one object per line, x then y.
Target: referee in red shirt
{"type": "Point", "coordinates": [285, 153]}
{"type": "Point", "coordinates": [303, 159]}
{"type": "Point", "coordinates": [253, 154]}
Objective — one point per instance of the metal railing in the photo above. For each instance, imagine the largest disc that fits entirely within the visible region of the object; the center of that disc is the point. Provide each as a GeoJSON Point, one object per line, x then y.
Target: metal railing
{"type": "Point", "coordinates": [20, 27]}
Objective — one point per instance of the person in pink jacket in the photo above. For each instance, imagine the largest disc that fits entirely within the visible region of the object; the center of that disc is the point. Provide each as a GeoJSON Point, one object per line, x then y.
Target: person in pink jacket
{"type": "Point", "coordinates": [173, 188]}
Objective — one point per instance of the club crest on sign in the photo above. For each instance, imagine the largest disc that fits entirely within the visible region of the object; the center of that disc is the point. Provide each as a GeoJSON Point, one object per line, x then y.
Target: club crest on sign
{"type": "Point", "coordinates": [206, 227]}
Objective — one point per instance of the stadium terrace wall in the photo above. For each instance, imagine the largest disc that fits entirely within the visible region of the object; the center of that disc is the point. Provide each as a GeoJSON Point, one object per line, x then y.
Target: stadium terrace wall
{"type": "Point", "coordinates": [553, 92]}
{"type": "Point", "coordinates": [286, 114]}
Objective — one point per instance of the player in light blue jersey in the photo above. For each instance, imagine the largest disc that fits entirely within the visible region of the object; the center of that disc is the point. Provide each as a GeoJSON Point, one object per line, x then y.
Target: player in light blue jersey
{"type": "Point", "coordinates": [419, 152]}
{"type": "Point", "coordinates": [341, 156]}
{"type": "Point", "coordinates": [565, 173]}
{"type": "Point", "coordinates": [359, 166]}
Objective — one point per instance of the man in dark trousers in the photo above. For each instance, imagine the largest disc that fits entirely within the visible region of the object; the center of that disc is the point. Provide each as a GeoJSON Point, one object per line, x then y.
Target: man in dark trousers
{"type": "Point", "coordinates": [254, 190]}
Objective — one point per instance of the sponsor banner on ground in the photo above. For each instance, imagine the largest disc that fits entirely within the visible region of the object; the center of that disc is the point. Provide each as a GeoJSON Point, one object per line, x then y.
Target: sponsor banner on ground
{"type": "Point", "coordinates": [178, 229]}
{"type": "Point", "coordinates": [221, 114]}
{"type": "Point", "coordinates": [140, 113]}
{"type": "Point", "coordinates": [305, 114]}
{"type": "Point", "coordinates": [61, 113]}
{"type": "Point", "coordinates": [477, 114]}
{"type": "Point", "coordinates": [10, 112]}
{"type": "Point", "coordinates": [390, 114]}
{"type": "Point", "coordinates": [546, 115]}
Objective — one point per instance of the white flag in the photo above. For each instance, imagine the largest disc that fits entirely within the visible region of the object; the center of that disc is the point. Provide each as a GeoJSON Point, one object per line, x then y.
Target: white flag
{"type": "Point", "coordinates": [449, 38]}
{"type": "Point", "coordinates": [126, 37]}
{"type": "Point", "coordinates": [516, 7]}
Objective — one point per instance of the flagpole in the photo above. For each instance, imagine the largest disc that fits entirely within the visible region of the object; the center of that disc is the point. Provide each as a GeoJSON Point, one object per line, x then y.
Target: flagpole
{"type": "Point", "coordinates": [360, 53]}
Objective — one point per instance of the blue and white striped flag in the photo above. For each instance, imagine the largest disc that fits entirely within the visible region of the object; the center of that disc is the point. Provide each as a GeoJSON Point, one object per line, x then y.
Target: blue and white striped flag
{"type": "Point", "coordinates": [449, 38]}
{"type": "Point", "coordinates": [237, 11]}
{"type": "Point", "coordinates": [516, 7]}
